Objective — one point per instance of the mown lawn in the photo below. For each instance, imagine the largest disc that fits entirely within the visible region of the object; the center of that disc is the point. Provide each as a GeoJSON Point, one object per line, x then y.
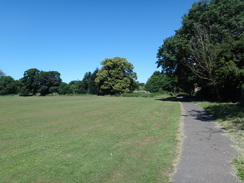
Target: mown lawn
{"type": "Point", "coordinates": [87, 139]}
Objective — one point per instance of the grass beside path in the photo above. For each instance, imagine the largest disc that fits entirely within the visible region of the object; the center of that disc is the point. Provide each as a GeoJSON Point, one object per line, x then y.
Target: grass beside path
{"type": "Point", "coordinates": [87, 139]}
{"type": "Point", "coordinates": [230, 116]}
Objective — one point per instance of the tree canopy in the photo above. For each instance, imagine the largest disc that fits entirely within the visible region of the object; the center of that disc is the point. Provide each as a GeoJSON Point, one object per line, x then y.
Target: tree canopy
{"type": "Point", "coordinates": [116, 76]}
{"type": "Point", "coordinates": [208, 49]}
{"type": "Point", "coordinates": [40, 81]}
{"type": "Point", "coordinates": [7, 85]}
{"type": "Point", "coordinates": [155, 82]}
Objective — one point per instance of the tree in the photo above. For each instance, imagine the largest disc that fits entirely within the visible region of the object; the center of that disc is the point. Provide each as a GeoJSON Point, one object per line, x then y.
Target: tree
{"type": "Point", "coordinates": [208, 49]}
{"type": "Point", "coordinates": [40, 81]}
{"type": "Point", "coordinates": [30, 82]}
{"type": "Point", "coordinates": [7, 85]}
{"type": "Point", "coordinates": [48, 82]}
{"type": "Point", "coordinates": [116, 76]}
{"type": "Point", "coordinates": [76, 87]}
{"type": "Point", "coordinates": [93, 88]}
{"type": "Point", "coordinates": [178, 77]}
{"type": "Point", "coordinates": [87, 85]}
{"type": "Point", "coordinates": [64, 89]}
{"type": "Point", "coordinates": [155, 82]}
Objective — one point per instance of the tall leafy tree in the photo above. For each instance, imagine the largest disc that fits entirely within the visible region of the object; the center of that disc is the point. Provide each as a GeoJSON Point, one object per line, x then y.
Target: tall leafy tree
{"type": "Point", "coordinates": [30, 82]}
{"type": "Point", "coordinates": [210, 45]}
{"type": "Point", "coordinates": [116, 76]}
{"type": "Point", "coordinates": [155, 82]}
{"type": "Point", "coordinates": [44, 82]}
{"type": "Point", "coordinates": [48, 81]}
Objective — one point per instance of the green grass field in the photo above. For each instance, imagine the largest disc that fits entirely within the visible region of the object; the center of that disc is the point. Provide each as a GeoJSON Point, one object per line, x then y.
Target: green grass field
{"type": "Point", "coordinates": [87, 139]}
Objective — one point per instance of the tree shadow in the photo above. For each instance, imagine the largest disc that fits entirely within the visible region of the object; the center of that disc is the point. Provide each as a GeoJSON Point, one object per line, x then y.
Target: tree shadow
{"type": "Point", "coordinates": [178, 99]}
{"type": "Point", "coordinates": [228, 112]}
{"type": "Point", "coordinates": [216, 111]}
{"type": "Point", "coordinates": [200, 115]}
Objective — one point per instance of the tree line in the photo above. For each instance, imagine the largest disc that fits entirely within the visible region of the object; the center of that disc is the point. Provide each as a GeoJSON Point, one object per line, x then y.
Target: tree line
{"type": "Point", "coordinates": [115, 77]}
{"type": "Point", "coordinates": [206, 53]}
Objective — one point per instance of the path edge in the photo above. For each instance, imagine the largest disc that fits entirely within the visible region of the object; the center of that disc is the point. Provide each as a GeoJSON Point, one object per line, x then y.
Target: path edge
{"type": "Point", "coordinates": [180, 138]}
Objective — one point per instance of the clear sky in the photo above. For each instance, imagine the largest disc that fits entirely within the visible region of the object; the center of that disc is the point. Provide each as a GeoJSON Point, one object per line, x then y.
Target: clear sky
{"type": "Point", "coordinates": [74, 36]}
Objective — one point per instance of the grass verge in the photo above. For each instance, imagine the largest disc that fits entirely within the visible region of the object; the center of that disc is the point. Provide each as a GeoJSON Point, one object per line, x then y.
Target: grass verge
{"type": "Point", "coordinates": [230, 116]}
{"type": "Point", "coordinates": [87, 139]}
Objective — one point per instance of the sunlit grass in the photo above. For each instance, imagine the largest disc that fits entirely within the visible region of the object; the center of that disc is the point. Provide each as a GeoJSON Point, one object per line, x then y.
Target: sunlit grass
{"type": "Point", "coordinates": [87, 139]}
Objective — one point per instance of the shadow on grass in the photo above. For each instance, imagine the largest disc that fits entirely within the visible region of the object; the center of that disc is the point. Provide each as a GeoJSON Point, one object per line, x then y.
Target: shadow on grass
{"type": "Point", "coordinates": [232, 112]}
{"type": "Point", "coordinates": [227, 112]}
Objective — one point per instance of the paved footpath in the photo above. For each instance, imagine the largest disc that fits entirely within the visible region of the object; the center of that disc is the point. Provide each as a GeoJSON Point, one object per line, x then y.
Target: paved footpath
{"type": "Point", "coordinates": [206, 154]}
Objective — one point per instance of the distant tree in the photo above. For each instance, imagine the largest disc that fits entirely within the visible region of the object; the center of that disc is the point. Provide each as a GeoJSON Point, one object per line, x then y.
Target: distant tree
{"type": "Point", "coordinates": [76, 87]}
{"type": "Point", "coordinates": [93, 88]}
{"type": "Point", "coordinates": [64, 89]}
{"type": "Point", "coordinates": [40, 81]}
{"type": "Point", "coordinates": [116, 76]}
{"type": "Point", "coordinates": [155, 82]}
{"type": "Point", "coordinates": [86, 85]}
{"type": "Point", "coordinates": [7, 85]}
{"type": "Point", "coordinates": [48, 80]}
{"type": "Point", "coordinates": [30, 82]}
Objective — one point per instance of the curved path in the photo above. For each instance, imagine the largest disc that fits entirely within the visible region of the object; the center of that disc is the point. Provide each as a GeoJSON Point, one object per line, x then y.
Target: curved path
{"type": "Point", "coordinates": [206, 154]}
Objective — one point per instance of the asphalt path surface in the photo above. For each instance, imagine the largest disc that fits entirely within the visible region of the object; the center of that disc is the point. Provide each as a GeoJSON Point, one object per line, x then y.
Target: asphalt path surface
{"type": "Point", "coordinates": [206, 153]}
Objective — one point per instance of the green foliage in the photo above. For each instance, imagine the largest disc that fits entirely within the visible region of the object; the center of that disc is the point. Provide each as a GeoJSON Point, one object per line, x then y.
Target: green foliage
{"type": "Point", "coordinates": [44, 90]}
{"type": "Point", "coordinates": [155, 82]}
{"type": "Point", "coordinates": [77, 87]}
{"type": "Point", "coordinates": [30, 81]}
{"type": "Point", "coordinates": [87, 85]}
{"type": "Point", "coordinates": [40, 81]}
{"type": "Point", "coordinates": [208, 49]}
{"type": "Point", "coordinates": [116, 76]}
{"type": "Point", "coordinates": [7, 85]}
{"type": "Point", "coordinates": [64, 89]}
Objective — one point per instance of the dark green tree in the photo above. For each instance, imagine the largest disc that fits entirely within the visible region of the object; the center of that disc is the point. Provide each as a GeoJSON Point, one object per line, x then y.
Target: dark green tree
{"type": "Point", "coordinates": [48, 82]}
{"type": "Point", "coordinates": [208, 49]}
{"type": "Point", "coordinates": [155, 82]}
{"type": "Point", "coordinates": [76, 87]}
{"type": "Point", "coordinates": [29, 83]}
{"type": "Point", "coordinates": [116, 76]}
{"type": "Point", "coordinates": [65, 89]}
{"type": "Point", "coordinates": [7, 85]}
{"type": "Point", "coordinates": [93, 88]}
{"type": "Point", "coordinates": [87, 85]}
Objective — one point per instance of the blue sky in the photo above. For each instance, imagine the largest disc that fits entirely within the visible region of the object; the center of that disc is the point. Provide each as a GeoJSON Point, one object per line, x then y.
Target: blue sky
{"type": "Point", "coordinates": [74, 36]}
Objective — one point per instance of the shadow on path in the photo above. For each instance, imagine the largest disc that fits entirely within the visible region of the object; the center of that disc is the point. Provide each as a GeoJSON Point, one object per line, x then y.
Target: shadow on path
{"type": "Point", "coordinates": [206, 154]}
